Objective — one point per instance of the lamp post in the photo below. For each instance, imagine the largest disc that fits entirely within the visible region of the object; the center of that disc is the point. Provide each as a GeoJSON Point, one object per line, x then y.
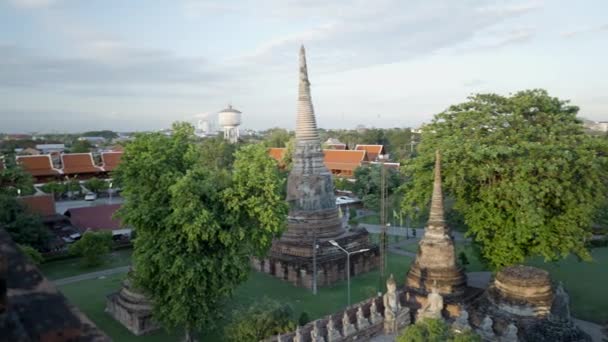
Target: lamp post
{"type": "Point", "coordinates": [348, 254]}
{"type": "Point", "coordinates": [314, 263]}
{"type": "Point", "coordinates": [110, 192]}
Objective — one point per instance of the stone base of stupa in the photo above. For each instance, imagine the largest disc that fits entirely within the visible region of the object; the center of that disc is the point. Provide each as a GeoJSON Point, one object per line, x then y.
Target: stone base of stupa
{"type": "Point", "coordinates": [131, 309]}
{"type": "Point", "coordinates": [293, 261]}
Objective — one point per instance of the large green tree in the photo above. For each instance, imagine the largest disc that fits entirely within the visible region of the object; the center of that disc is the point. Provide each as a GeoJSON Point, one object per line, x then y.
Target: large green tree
{"type": "Point", "coordinates": [197, 225]}
{"type": "Point", "coordinates": [93, 247]}
{"type": "Point", "coordinates": [368, 181]}
{"type": "Point", "coordinates": [523, 174]}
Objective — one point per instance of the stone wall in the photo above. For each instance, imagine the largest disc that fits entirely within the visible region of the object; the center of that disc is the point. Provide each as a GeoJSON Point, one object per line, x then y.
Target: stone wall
{"type": "Point", "coordinates": [372, 324]}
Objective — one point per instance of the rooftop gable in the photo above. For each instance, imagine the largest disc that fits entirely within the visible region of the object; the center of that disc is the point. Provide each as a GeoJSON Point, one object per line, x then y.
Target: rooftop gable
{"type": "Point", "coordinates": [39, 165]}
{"type": "Point", "coordinates": [110, 160]}
{"type": "Point", "coordinates": [74, 163]}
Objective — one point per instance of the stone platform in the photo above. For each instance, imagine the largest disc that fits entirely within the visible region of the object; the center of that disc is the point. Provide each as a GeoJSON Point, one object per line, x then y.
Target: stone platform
{"type": "Point", "coordinates": [131, 309]}
{"type": "Point", "coordinates": [293, 261]}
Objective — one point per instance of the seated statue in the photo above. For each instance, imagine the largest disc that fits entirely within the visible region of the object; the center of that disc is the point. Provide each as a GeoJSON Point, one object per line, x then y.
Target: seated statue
{"type": "Point", "coordinates": [510, 334]}
{"type": "Point", "coordinates": [432, 308]}
{"type": "Point", "coordinates": [332, 333]}
{"type": "Point", "coordinates": [485, 329]}
{"type": "Point", "coordinates": [315, 335]}
{"type": "Point", "coordinates": [347, 327]}
{"type": "Point", "coordinates": [374, 315]}
{"type": "Point", "coordinates": [362, 322]}
{"type": "Point", "coordinates": [461, 323]}
{"type": "Point", "coordinates": [395, 316]}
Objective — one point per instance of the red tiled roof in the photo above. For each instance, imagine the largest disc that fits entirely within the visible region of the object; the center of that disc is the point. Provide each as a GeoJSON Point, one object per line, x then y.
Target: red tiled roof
{"type": "Point", "coordinates": [110, 160]}
{"type": "Point", "coordinates": [277, 153]}
{"type": "Point", "coordinates": [74, 163]}
{"type": "Point", "coordinates": [43, 205]}
{"type": "Point", "coordinates": [372, 150]}
{"type": "Point", "coordinates": [344, 160]}
{"type": "Point", "coordinates": [38, 165]}
{"type": "Point", "coordinates": [96, 217]}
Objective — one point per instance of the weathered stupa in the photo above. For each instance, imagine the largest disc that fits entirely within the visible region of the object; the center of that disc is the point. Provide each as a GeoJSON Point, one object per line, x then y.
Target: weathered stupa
{"type": "Point", "coordinates": [435, 265]}
{"type": "Point", "coordinates": [313, 215]}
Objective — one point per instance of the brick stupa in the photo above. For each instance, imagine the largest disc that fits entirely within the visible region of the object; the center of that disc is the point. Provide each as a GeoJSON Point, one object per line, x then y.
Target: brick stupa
{"type": "Point", "coordinates": [435, 264]}
{"type": "Point", "coordinates": [313, 214]}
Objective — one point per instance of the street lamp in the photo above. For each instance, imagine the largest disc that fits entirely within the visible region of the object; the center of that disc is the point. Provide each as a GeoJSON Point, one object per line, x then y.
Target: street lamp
{"type": "Point", "coordinates": [110, 191]}
{"type": "Point", "coordinates": [348, 254]}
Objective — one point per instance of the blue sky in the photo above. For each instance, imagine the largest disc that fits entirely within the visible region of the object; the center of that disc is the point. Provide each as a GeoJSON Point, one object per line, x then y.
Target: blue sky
{"type": "Point", "coordinates": [72, 65]}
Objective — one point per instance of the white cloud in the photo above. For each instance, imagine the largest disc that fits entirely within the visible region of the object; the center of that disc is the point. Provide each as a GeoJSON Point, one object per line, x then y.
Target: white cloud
{"type": "Point", "coordinates": [584, 30]}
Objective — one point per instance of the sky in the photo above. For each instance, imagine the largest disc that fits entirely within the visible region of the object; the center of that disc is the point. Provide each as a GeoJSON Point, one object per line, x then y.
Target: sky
{"type": "Point", "coordinates": [76, 65]}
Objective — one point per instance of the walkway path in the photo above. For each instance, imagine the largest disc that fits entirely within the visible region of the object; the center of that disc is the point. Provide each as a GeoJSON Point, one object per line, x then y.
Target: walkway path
{"type": "Point", "coordinates": [92, 275]}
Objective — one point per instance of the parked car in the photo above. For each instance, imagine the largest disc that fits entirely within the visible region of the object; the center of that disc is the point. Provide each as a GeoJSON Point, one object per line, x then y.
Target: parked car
{"type": "Point", "coordinates": [90, 196]}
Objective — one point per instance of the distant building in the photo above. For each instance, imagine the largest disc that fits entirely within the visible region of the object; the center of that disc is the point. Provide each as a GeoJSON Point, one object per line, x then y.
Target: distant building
{"type": "Point", "coordinates": [40, 167]}
{"type": "Point", "coordinates": [230, 120]}
{"type": "Point", "coordinates": [28, 151]}
{"type": "Point", "coordinates": [98, 218]}
{"type": "Point", "coordinates": [17, 137]}
{"type": "Point", "coordinates": [80, 164]}
{"type": "Point", "coordinates": [51, 148]}
{"type": "Point", "coordinates": [93, 140]}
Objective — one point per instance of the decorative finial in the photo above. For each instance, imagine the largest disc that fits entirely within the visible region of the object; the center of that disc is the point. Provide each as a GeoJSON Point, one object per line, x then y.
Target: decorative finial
{"type": "Point", "coordinates": [436, 214]}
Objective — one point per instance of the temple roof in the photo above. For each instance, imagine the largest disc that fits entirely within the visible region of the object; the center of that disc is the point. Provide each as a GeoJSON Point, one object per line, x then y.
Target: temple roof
{"type": "Point", "coordinates": [343, 159]}
{"type": "Point", "coordinates": [110, 160]}
{"type": "Point", "coordinates": [43, 205]}
{"type": "Point", "coordinates": [74, 163]}
{"type": "Point", "coordinates": [40, 165]}
{"type": "Point", "coordinates": [373, 151]}
{"type": "Point", "coordinates": [99, 217]}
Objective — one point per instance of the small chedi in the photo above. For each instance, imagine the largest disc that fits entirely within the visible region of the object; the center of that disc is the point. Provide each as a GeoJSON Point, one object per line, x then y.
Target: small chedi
{"type": "Point", "coordinates": [131, 308]}
{"type": "Point", "coordinates": [524, 304]}
{"type": "Point", "coordinates": [313, 218]}
{"type": "Point", "coordinates": [435, 265]}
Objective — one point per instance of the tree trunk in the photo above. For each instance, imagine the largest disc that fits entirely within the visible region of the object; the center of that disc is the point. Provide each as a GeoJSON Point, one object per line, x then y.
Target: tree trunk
{"type": "Point", "coordinates": [189, 337]}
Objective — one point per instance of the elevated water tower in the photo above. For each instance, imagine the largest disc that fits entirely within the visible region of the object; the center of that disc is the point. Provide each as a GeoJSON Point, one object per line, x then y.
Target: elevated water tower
{"type": "Point", "coordinates": [230, 119]}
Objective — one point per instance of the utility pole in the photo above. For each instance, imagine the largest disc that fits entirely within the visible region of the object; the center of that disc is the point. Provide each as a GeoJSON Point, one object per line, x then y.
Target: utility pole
{"type": "Point", "coordinates": [383, 244]}
{"type": "Point", "coordinates": [314, 262]}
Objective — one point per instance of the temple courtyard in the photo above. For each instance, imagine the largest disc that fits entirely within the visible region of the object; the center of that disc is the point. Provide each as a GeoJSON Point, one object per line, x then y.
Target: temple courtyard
{"type": "Point", "coordinates": [87, 288]}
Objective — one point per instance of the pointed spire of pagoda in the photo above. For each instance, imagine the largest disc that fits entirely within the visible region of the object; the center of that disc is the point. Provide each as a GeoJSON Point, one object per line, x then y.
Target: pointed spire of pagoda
{"type": "Point", "coordinates": [436, 217]}
{"type": "Point", "coordinates": [306, 125]}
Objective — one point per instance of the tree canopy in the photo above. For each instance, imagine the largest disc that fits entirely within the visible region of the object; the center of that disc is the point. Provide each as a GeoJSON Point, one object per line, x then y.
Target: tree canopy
{"type": "Point", "coordinates": [524, 175]}
{"type": "Point", "coordinates": [197, 224]}
{"type": "Point", "coordinates": [367, 184]}
{"type": "Point", "coordinates": [92, 247]}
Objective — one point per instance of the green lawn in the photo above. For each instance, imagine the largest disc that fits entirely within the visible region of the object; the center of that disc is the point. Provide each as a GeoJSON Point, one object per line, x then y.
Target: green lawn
{"type": "Point", "coordinates": [369, 219]}
{"type": "Point", "coordinates": [89, 296]}
{"type": "Point", "coordinates": [585, 282]}
{"type": "Point", "coordinates": [71, 267]}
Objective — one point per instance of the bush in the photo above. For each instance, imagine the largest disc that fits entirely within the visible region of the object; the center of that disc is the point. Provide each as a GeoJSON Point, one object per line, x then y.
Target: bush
{"type": "Point", "coordinates": [352, 212]}
{"type": "Point", "coordinates": [263, 319]}
{"type": "Point", "coordinates": [434, 330]}
{"type": "Point", "coordinates": [32, 254]}
{"type": "Point", "coordinates": [96, 185]}
{"type": "Point", "coordinates": [92, 247]}
{"type": "Point", "coordinates": [462, 256]}
{"type": "Point", "coordinates": [55, 188]}
{"type": "Point", "coordinates": [303, 319]}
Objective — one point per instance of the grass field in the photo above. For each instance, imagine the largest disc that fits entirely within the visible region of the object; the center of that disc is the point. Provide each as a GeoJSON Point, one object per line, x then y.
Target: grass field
{"type": "Point", "coordinates": [89, 296]}
{"type": "Point", "coordinates": [71, 267]}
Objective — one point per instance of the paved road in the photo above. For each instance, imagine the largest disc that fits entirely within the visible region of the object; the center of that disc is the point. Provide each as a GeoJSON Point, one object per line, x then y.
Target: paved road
{"type": "Point", "coordinates": [92, 275]}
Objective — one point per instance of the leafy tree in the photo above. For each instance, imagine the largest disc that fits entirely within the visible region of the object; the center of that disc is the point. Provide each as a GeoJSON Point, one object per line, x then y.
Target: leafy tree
{"type": "Point", "coordinates": [216, 152]}
{"type": "Point", "coordinates": [304, 318]}
{"type": "Point", "coordinates": [32, 254]}
{"type": "Point", "coordinates": [521, 170]}
{"type": "Point", "coordinates": [435, 330]}
{"type": "Point", "coordinates": [96, 185]}
{"type": "Point", "coordinates": [92, 247]}
{"type": "Point", "coordinates": [73, 186]}
{"type": "Point", "coordinates": [367, 184]}
{"type": "Point", "coordinates": [277, 137]}
{"type": "Point", "coordinates": [197, 224]}
{"type": "Point", "coordinates": [81, 146]}
{"type": "Point", "coordinates": [261, 320]}
{"type": "Point", "coordinates": [55, 188]}
{"type": "Point", "coordinates": [109, 135]}
{"type": "Point", "coordinates": [23, 227]}
{"type": "Point", "coordinates": [14, 178]}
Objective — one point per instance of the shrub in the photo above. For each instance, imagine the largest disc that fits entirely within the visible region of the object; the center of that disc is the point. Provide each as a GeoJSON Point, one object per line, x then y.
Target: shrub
{"type": "Point", "coordinates": [262, 319]}
{"type": "Point", "coordinates": [32, 254]}
{"type": "Point", "coordinates": [93, 247]}
{"type": "Point", "coordinates": [464, 260]}
{"type": "Point", "coordinates": [303, 319]}
{"type": "Point", "coordinates": [434, 330]}
{"type": "Point", "coordinates": [55, 188]}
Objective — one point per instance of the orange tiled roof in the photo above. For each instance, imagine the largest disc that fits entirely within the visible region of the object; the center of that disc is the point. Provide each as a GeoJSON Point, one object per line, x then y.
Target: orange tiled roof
{"type": "Point", "coordinates": [43, 205]}
{"type": "Point", "coordinates": [110, 160]}
{"type": "Point", "coordinates": [74, 163]}
{"type": "Point", "coordinates": [345, 160]}
{"type": "Point", "coordinates": [372, 150]}
{"type": "Point", "coordinates": [277, 153]}
{"type": "Point", "coordinates": [40, 165]}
